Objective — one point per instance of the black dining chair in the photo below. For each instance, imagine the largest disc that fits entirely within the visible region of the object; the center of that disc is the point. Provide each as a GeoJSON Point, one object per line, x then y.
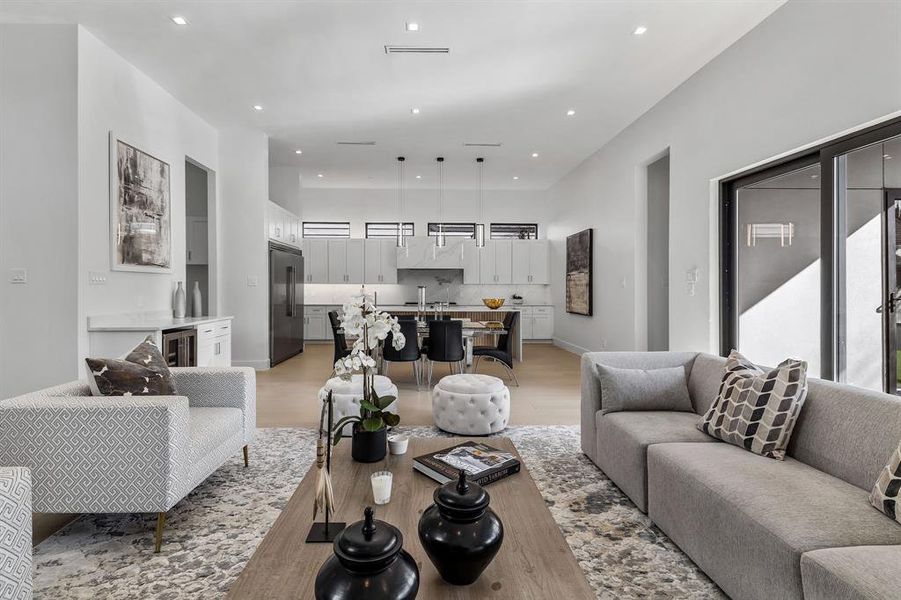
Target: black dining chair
{"type": "Point", "coordinates": [503, 351]}
{"type": "Point", "coordinates": [341, 349]}
{"type": "Point", "coordinates": [446, 345]}
{"type": "Point", "coordinates": [409, 353]}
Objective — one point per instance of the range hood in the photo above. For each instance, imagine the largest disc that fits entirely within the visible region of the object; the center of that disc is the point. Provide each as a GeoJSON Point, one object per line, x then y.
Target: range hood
{"type": "Point", "coordinates": [421, 253]}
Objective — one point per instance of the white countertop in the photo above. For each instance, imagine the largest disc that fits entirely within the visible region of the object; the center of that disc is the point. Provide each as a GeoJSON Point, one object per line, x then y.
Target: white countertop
{"type": "Point", "coordinates": [146, 322]}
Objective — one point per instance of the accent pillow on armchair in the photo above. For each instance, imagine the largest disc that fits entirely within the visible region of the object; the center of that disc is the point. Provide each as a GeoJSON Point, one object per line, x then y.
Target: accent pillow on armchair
{"type": "Point", "coordinates": [143, 372]}
{"type": "Point", "coordinates": [886, 494]}
{"type": "Point", "coordinates": [757, 409]}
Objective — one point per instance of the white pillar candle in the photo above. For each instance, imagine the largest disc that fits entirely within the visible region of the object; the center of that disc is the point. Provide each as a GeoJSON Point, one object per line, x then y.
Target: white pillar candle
{"type": "Point", "coordinates": [381, 486]}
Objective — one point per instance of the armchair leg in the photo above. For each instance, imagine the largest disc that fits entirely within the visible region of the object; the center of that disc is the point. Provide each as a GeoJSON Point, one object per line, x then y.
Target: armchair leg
{"type": "Point", "coordinates": [246, 458]}
{"type": "Point", "coordinates": [160, 525]}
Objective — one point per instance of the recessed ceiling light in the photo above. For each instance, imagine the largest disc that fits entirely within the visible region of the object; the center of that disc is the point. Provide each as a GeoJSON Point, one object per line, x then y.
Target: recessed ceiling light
{"type": "Point", "coordinates": [534, 155]}
{"type": "Point", "coordinates": [814, 176]}
{"type": "Point", "coordinates": [419, 177]}
{"type": "Point", "coordinates": [298, 152]}
{"type": "Point", "coordinates": [516, 177]}
{"type": "Point", "coordinates": [570, 112]}
{"type": "Point", "coordinates": [412, 26]}
{"type": "Point", "coordinates": [415, 110]}
{"type": "Point", "coordinates": [257, 107]}
{"type": "Point", "coordinates": [320, 175]}
{"type": "Point", "coordinates": [640, 30]}
{"type": "Point", "coordinates": [179, 20]}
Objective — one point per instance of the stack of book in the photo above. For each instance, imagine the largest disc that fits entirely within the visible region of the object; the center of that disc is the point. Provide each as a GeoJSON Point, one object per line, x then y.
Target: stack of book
{"type": "Point", "coordinates": [482, 463]}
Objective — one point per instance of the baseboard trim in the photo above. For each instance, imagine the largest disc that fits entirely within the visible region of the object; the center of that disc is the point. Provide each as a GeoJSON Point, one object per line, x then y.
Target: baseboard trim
{"type": "Point", "coordinates": [259, 365]}
{"type": "Point", "coordinates": [570, 347]}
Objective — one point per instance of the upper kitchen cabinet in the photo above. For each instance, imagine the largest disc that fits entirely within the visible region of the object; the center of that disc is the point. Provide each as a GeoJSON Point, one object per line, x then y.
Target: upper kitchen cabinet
{"type": "Point", "coordinates": [530, 261]}
{"type": "Point", "coordinates": [197, 250]}
{"type": "Point", "coordinates": [496, 262]}
{"type": "Point", "coordinates": [345, 261]}
{"type": "Point", "coordinates": [380, 261]}
{"type": "Point", "coordinates": [315, 261]}
{"type": "Point", "coordinates": [284, 227]}
{"type": "Point", "coordinates": [471, 258]}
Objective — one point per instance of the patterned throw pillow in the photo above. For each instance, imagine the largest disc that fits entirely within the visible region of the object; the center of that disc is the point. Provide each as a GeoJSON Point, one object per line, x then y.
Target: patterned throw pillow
{"type": "Point", "coordinates": [143, 372]}
{"type": "Point", "coordinates": [886, 494]}
{"type": "Point", "coordinates": [757, 410]}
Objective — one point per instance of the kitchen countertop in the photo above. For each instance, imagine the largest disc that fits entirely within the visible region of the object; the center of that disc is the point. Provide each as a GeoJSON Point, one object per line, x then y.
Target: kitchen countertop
{"type": "Point", "coordinates": [452, 308]}
{"type": "Point", "coordinates": [147, 322]}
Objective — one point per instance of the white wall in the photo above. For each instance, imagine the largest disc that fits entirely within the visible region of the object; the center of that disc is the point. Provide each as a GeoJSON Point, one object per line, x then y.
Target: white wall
{"type": "Point", "coordinates": [243, 181]}
{"type": "Point", "coordinates": [114, 95]}
{"type": "Point", "coordinates": [807, 72]}
{"type": "Point", "coordinates": [421, 206]}
{"type": "Point", "coordinates": [38, 206]}
{"type": "Point", "coordinates": [284, 187]}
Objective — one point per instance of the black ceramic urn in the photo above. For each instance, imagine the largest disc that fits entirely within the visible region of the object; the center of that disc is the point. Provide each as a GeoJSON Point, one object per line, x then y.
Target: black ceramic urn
{"type": "Point", "coordinates": [369, 562]}
{"type": "Point", "coordinates": [459, 532]}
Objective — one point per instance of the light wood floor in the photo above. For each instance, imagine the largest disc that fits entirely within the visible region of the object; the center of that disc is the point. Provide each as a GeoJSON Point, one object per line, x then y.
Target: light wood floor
{"type": "Point", "coordinates": [548, 392]}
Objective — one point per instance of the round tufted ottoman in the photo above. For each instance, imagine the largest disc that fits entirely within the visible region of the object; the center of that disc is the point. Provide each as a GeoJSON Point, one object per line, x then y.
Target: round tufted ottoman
{"type": "Point", "coordinates": [471, 404]}
{"type": "Point", "coordinates": [347, 395]}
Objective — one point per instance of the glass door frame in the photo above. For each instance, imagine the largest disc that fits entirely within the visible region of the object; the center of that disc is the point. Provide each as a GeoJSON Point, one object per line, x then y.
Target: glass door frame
{"type": "Point", "coordinates": [833, 221]}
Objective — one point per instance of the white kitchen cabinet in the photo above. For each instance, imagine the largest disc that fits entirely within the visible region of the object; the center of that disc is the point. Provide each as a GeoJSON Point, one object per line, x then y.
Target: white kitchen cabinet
{"type": "Point", "coordinates": [539, 261]}
{"type": "Point", "coordinates": [315, 323]}
{"type": "Point", "coordinates": [471, 259]}
{"type": "Point", "coordinates": [214, 344]}
{"type": "Point", "coordinates": [345, 261]}
{"type": "Point", "coordinates": [380, 261]}
{"type": "Point", "coordinates": [293, 230]}
{"type": "Point", "coordinates": [496, 262]}
{"type": "Point", "coordinates": [537, 322]}
{"type": "Point", "coordinates": [276, 222]}
{"type": "Point", "coordinates": [530, 261]}
{"type": "Point", "coordinates": [197, 241]}
{"type": "Point", "coordinates": [315, 261]}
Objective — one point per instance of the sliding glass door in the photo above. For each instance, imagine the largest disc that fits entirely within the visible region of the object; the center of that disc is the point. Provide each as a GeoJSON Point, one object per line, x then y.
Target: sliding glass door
{"type": "Point", "coordinates": [811, 260]}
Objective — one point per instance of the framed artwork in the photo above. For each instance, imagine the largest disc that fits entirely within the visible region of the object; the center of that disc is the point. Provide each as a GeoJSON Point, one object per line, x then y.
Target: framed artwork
{"type": "Point", "coordinates": [140, 210]}
{"type": "Point", "coordinates": [579, 259]}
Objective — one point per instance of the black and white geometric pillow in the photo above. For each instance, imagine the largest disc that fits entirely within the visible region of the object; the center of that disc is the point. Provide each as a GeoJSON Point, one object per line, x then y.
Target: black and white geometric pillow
{"type": "Point", "coordinates": [886, 494]}
{"type": "Point", "coordinates": [757, 410]}
{"type": "Point", "coordinates": [143, 372]}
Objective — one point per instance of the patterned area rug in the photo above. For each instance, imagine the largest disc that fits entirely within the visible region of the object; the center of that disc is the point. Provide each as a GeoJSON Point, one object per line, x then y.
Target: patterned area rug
{"type": "Point", "coordinates": [212, 533]}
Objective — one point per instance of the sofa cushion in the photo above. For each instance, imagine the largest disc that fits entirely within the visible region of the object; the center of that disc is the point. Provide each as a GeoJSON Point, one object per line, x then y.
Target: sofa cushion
{"type": "Point", "coordinates": [846, 431]}
{"type": "Point", "coordinates": [623, 440]}
{"type": "Point", "coordinates": [886, 494]}
{"type": "Point", "coordinates": [856, 573]}
{"type": "Point", "coordinates": [643, 389]}
{"type": "Point", "coordinates": [704, 381]}
{"type": "Point", "coordinates": [746, 520]}
{"type": "Point", "coordinates": [211, 427]}
{"type": "Point", "coordinates": [755, 409]}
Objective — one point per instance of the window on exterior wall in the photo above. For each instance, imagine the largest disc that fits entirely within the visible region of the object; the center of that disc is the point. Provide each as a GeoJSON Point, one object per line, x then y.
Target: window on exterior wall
{"type": "Point", "coordinates": [387, 230]}
{"type": "Point", "coordinates": [326, 229]}
{"type": "Point", "coordinates": [466, 230]}
{"type": "Point", "coordinates": [514, 231]}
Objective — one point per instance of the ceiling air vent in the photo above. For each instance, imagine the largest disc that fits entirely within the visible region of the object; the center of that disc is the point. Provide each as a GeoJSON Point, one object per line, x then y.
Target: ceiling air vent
{"type": "Point", "coordinates": [355, 143]}
{"type": "Point", "coordinates": [482, 144]}
{"type": "Point", "coordinates": [416, 50]}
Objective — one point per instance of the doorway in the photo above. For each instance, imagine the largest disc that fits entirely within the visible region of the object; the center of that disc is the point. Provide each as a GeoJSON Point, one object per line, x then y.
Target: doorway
{"type": "Point", "coordinates": [199, 204]}
{"type": "Point", "coordinates": [658, 253]}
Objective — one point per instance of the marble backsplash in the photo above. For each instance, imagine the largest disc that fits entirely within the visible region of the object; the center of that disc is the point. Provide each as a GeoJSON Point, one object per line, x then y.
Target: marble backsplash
{"type": "Point", "coordinates": [443, 285]}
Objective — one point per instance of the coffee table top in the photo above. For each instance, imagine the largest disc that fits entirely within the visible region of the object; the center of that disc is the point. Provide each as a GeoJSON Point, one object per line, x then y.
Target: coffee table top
{"type": "Point", "coordinates": [534, 560]}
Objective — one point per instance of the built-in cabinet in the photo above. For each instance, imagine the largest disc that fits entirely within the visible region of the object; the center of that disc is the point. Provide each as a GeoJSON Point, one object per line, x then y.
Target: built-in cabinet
{"type": "Point", "coordinates": [315, 261]}
{"type": "Point", "coordinates": [537, 322]}
{"type": "Point", "coordinates": [345, 261]}
{"type": "Point", "coordinates": [284, 226]}
{"type": "Point", "coordinates": [530, 261]}
{"type": "Point", "coordinates": [496, 262]}
{"type": "Point", "coordinates": [315, 323]}
{"type": "Point", "coordinates": [380, 262]}
{"type": "Point", "coordinates": [197, 241]}
{"type": "Point", "coordinates": [214, 346]}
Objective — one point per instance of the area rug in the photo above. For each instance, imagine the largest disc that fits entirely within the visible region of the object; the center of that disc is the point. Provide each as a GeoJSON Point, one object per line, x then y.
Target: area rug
{"type": "Point", "coordinates": [212, 533]}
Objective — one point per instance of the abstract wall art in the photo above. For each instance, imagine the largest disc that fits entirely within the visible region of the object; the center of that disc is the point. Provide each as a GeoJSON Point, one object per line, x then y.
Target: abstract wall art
{"type": "Point", "coordinates": [579, 256]}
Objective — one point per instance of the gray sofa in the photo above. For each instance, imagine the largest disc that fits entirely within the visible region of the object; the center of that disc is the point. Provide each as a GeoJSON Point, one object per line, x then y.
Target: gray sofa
{"type": "Point", "coordinates": [760, 528]}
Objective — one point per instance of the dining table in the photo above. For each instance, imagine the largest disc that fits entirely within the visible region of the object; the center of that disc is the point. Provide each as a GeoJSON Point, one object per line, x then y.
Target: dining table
{"type": "Point", "coordinates": [471, 330]}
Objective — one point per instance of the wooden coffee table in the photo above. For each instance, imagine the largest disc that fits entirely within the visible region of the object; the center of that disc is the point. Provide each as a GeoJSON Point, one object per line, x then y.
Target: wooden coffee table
{"type": "Point", "coordinates": [534, 560]}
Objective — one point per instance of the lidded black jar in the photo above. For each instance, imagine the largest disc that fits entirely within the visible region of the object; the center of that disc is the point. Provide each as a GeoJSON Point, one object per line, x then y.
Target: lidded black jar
{"type": "Point", "coordinates": [368, 562]}
{"type": "Point", "coordinates": [459, 532]}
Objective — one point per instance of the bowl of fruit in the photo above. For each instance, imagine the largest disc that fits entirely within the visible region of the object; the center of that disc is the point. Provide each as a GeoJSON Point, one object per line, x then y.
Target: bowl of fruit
{"type": "Point", "coordinates": [493, 303]}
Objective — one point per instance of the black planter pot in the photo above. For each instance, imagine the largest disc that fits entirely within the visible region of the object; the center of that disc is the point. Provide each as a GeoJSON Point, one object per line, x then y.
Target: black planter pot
{"type": "Point", "coordinates": [368, 562]}
{"type": "Point", "coordinates": [459, 532]}
{"type": "Point", "coordinates": [369, 446]}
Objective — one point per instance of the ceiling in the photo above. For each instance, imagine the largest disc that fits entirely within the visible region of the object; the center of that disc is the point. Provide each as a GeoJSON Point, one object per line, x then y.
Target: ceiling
{"type": "Point", "coordinates": [320, 72]}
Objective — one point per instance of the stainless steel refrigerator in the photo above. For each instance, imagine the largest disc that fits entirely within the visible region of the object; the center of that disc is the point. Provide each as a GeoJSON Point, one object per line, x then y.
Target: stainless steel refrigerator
{"type": "Point", "coordinates": [285, 303]}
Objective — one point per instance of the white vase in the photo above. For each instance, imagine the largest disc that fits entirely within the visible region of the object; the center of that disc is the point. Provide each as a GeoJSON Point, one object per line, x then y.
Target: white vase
{"type": "Point", "coordinates": [180, 307]}
{"type": "Point", "coordinates": [197, 301]}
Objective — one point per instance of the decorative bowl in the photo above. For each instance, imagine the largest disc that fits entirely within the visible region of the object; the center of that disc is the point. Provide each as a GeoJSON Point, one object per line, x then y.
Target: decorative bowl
{"type": "Point", "coordinates": [493, 303]}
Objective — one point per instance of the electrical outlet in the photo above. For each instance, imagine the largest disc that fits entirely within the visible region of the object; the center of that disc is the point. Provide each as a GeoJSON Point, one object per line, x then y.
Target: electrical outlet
{"type": "Point", "coordinates": [603, 343]}
{"type": "Point", "coordinates": [18, 275]}
{"type": "Point", "coordinates": [253, 281]}
{"type": "Point", "coordinates": [96, 278]}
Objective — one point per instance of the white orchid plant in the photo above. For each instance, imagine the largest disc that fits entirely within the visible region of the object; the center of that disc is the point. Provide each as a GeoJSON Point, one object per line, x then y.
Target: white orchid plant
{"type": "Point", "coordinates": [371, 327]}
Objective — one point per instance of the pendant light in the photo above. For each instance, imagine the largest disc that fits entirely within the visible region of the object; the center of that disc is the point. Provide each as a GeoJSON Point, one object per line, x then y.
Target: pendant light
{"type": "Point", "coordinates": [440, 239]}
{"type": "Point", "coordinates": [401, 182]}
{"type": "Point", "coordinates": [480, 227]}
